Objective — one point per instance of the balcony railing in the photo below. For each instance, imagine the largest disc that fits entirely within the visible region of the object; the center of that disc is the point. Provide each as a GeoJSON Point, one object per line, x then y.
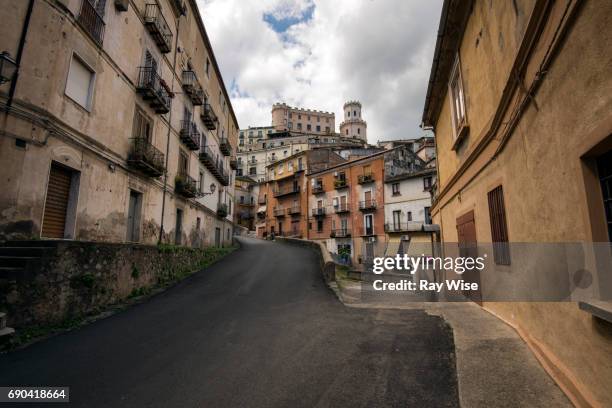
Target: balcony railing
{"type": "Point", "coordinates": [208, 117]}
{"type": "Point", "coordinates": [239, 164]}
{"type": "Point", "coordinates": [367, 205]}
{"type": "Point", "coordinates": [222, 210]}
{"type": "Point", "coordinates": [179, 7]}
{"type": "Point", "coordinates": [340, 233]}
{"type": "Point", "coordinates": [190, 135]}
{"type": "Point", "coordinates": [317, 189]}
{"type": "Point", "coordinates": [404, 226]}
{"type": "Point", "coordinates": [186, 186]}
{"type": "Point", "coordinates": [252, 161]}
{"type": "Point", "coordinates": [152, 90]}
{"type": "Point", "coordinates": [286, 191]}
{"type": "Point", "coordinates": [192, 87]}
{"type": "Point", "coordinates": [340, 183]}
{"type": "Point", "coordinates": [225, 146]}
{"type": "Point", "coordinates": [318, 212]}
{"type": "Point", "coordinates": [294, 210]}
{"type": "Point", "coordinates": [214, 163]}
{"type": "Point", "coordinates": [91, 21]}
{"type": "Point", "coordinates": [146, 157]}
{"type": "Point", "coordinates": [365, 178]}
{"type": "Point", "coordinates": [233, 163]}
{"type": "Point", "coordinates": [342, 208]}
{"type": "Point", "coordinates": [158, 27]}
{"type": "Point", "coordinates": [279, 212]}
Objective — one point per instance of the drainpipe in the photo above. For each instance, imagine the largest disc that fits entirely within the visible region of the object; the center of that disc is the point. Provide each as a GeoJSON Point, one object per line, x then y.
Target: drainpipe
{"type": "Point", "coordinates": [161, 227]}
{"type": "Point", "coordinates": [22, 40]}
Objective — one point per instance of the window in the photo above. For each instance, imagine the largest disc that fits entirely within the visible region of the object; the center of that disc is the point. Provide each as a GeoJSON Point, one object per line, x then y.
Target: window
{"type": "Point", "coordinates": [207, 67]}
{"type": "Point", "coordinates": [358, 131]}
{"type": "Point", "coordinates": [318, 128]}
{"type": "Point", "coordinates": [142, 126]}
{"type": "Point", "coordinates": [327, 129]}
{"type": "Point", "coordinates": [201, 181]}
{"type": "Point", "coordinates": [368, 225]}
{"type": "Point", "coordinates": [290, 125]}
{"type": "Point", "coordinates": [395, 187]}
{"type": "Point", "coordinates": [396, 219]}
{"type": "Point", "coordinates": [308, 127]}
{"type": "Point", "coordinates": [241, 199]}
{"type": "Point", "coordinates": [347, 131]}
{"type": "Point", "coordinates": [408, 215]}
{"type": "Point", "coordinates": [299, 116]}
{"type": "Point", "coordinates": [427, 183]}
{"type": "Point", "coordinates": [427, 215]}
{"type": "Point", "coordinates": [499, 230]}
{"type": "Point", "coordinates": [348, 114]}
{"type": "Point", "coordinates": [320, 225]}
{"type": "Point", "coordinates": [299, 126]}
{"type": "Point", "coordinates": [458, 114]}
{"type": "Point", "coordinates": [318, 118]}
{"type": "Point", "coordinates": [253, 171]}
{"type": "Point", "coordinates": [183, 163]}
{"type": "Point", "coordinates": [354, 113]}
{"type": "Point", "coordinates": [80, 83]}
{"type": "Point", "coordinates": [259, 133]}
{"type": "Point", "coordinates": [290, 115]}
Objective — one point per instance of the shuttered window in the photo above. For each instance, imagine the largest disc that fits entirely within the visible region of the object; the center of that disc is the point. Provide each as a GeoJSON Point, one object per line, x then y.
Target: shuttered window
{"type": "Point", "coordinates": [499, 229]}
{"type": "Point", "coordinates": [79, 86]}
{"type": "Point", "coordinates": [56, 203]}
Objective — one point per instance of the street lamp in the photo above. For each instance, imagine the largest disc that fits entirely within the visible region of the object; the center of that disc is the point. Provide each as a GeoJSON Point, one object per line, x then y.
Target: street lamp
{"type": "Point", "coordinates": [212, 187]}
{"type": "Point", "coordinates": [8, 67]}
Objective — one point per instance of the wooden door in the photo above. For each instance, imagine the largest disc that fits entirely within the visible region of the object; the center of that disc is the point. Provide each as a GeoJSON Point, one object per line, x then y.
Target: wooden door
{"type": "Point", "coordinates": [368, 198]}
{"type": "Point", "coordinates": [466, 237]}
{"type": "Point", "coordinates": [56, 203]}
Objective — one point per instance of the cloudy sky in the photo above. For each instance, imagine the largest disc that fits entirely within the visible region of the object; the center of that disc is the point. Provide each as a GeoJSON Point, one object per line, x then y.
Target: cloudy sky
{"type": "Point", "coordinates": [320, 53]}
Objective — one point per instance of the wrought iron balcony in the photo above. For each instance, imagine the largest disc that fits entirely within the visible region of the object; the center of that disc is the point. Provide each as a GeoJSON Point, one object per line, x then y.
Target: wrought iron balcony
{"type": "Point", "coordinates": [208, 117]}
{"type": "Point", "coordinates": [317, 189]}
{"type": "Point", "coordinates": [279, 212]}
{"type": "Point", "coordinates": [365, 178]}
{"type": "Point", "coordinates": [190, 135]}
{"type": "Point", "coordinates": [294, 210]}
{"type": "Point", "coordinates": [186, 186]}
{"type": "Point", "coordinates": [158, 27]}
{"type": "Point", "coordinates": [340, 183]}
{"type": "Point", "coordinates": [404, 226]}
{"type": "Point", "coordinates": [214, 163]}
{"type": "Point", "coordinates": [179, 7]}
{"type": "Point", "coordinates": [222, 210]}
{"type": "Point", "coordinates": [152, 90]}
{"type": "Point", "coordinates": [146, 157]}
{"type": "Point", "coordinates": [318, 212]}
{"type": "Point", "coordinates": [252, 161]}
{"type": "Point", "coordinates": [279, 192]}
{"type": "Point", "coordinates": [342, 208]}
{"type": "Point", "coordinates": [192, 87]}
{"type": "Point", "coordinates": [367, 205]}
{"type": "Point", "coordinates": [91, 21]}
{"type": "Point", "coordinates": [233, 163]}
{"type": "Point", "coordinates": [340, 233]}
{"type": "Point", "coordinates": [225, 146]}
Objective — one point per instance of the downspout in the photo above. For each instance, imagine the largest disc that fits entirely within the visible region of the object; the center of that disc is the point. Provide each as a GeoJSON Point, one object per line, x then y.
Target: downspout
{"type": "Point", "coordinates": [161, 227]}
{"type": "Point", "coordinates": [22, 40]}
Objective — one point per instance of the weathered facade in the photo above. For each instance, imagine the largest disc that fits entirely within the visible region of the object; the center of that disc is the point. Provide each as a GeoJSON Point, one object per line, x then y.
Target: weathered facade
{"type": "Point", "coordinates": [118, 126]}
{"type": "Point", "coordinates": [287, 118]}
{"type": "Point", "coordinates": [524, 156]}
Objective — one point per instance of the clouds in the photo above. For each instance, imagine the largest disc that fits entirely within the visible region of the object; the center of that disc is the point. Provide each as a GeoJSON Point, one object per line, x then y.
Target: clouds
{"type": "Point", "coordinates": [319, 54]}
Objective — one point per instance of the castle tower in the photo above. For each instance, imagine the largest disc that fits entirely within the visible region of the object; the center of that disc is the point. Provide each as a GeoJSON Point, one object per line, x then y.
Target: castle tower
{"type": "Point", "coordinates": [353, 125]}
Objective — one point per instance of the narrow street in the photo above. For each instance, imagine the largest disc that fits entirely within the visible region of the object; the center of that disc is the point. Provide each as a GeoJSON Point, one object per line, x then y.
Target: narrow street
{"type": "Point", "coordinates": [258, 329]}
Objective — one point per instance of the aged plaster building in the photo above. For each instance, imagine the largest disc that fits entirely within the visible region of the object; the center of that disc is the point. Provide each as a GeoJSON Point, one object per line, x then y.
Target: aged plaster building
{"type": "Point", "coordinates": [311, 121]}
{"type": "Point", "coordinates": [247, 191]}
{"type": "Point", "coordinates": [353, 126]}
{"type": "Point", "coordinates": [117, 126]}
{"type": "Point", "coordinates": [525, 156]}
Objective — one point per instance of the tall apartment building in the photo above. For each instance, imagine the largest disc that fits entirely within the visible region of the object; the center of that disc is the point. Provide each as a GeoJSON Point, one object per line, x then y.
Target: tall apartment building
{"type": "Point", "coordinates": [285, 117]}
{"type": "Point", "coordinates": [525, 157]}
{"type": "Point", "coordinates": [117, 125]}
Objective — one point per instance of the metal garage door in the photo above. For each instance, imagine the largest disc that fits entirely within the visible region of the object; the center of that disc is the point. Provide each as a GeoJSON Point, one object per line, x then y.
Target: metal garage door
{"type": "Point", "coordinates": [56, 204]}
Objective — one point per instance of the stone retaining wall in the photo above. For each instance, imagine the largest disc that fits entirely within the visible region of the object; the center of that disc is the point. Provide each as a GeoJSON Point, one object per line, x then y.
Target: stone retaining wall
{"type": "Point", "coordinates": [328, 266]}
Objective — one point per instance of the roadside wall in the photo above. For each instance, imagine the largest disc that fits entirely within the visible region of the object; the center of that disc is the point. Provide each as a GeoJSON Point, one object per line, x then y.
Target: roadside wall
{"type": "Point", "coordinates": [328, 266]}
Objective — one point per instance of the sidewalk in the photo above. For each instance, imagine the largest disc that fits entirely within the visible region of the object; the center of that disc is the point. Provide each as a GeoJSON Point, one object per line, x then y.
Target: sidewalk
{"type": "Point", "coordinates": [495, 368]}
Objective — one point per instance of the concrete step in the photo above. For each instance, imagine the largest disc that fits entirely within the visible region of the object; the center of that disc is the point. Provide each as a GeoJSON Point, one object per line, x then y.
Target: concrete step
{"type": "Point", "coordinates": [11, 273]}
{"type": "Point", "coordinates": [26, 251]}
{"type": "Point", "coordinates": [16, 261]}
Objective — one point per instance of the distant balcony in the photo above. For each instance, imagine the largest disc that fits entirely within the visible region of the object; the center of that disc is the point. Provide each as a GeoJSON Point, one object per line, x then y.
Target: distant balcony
{"type": "Point", "coordinates": [272, 159]}
{"type": "Point", "coordinates": [342, 208]}
{"type": "Point", "coordinates": [208, 117]}
{"type": "Point", "coordinates": [317, 189]}
{"type": "Point", "coordinates": [233, 163]}
{"type": "Point", "coordinates": [152, 89]}
{"type": "Point", "coordinates": [340, 233]}
{"type": "Point", "coordinates": [190, 135]}
{"type": "Point", "coordinates": [146, 158]}
{"type": "Point", "coordinates": [192, 87]}
{"type": "Point", "coordinates": [225, 146]}
{"type": "Point", "coordinates": [252, 161]}
{"type": "Point", "coordinates": [406, 226]}
{"type": "Point", "coordinates": [222, 210]}
{"type": "Point", "coordinates": [214, 164]}
{"type": "Point", "coordinates": [179, 7]}
{"type": "Point", "coordinates": [239, 164]}
{"type": "Point", "coordinates": [158, 27]}
{"type": "Point", "coordinates": [286, 191]}
{"type": "Point", "coordinates": [340, 183]}
{"type": "Point", "coordinates": [279, 212]}
{"type": "Point", "coordinates": [294, 210]}
{"type": "Point", "coordinates": [186, 186]}
{"type": "Point", "coordinates": [318, 212]}
{"type": "Point", "coordinates": [365, 178]}
{"type": "Point", "coordinates": [367, 205]}
{"type": "Point", "coordinates": [91, 21]}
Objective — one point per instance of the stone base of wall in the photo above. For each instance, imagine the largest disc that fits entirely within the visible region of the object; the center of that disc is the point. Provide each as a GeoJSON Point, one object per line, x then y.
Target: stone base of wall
{"type": "Point", "coordinates": [72, 279]}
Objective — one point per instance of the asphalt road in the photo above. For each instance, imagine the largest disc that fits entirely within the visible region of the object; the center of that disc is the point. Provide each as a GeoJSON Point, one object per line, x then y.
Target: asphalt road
{"type": "Point", "coordinates": [258, 329]}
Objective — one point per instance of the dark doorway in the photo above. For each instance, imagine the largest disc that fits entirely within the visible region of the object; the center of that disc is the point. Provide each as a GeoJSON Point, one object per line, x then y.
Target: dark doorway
{"type": "Point", "coordinates": [60, 203]}
{"type": "Point", "coordinates": [133, 221]}
{"type": "Point", "coordinates": [178, 229]}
